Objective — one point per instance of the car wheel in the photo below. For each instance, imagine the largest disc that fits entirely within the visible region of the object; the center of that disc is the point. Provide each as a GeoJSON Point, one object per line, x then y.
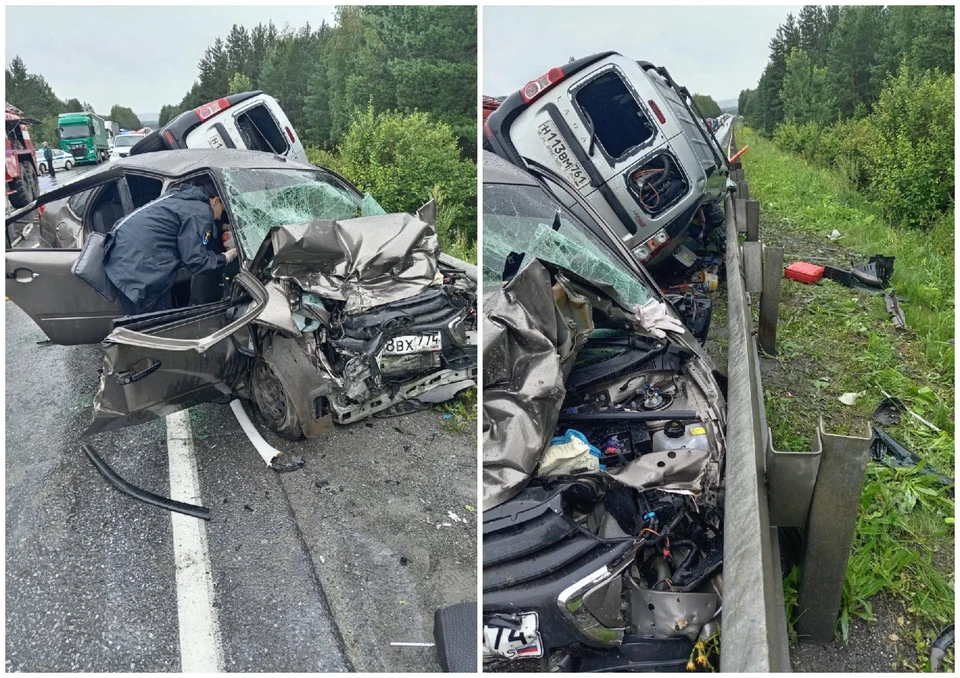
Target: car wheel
{"type": "Point", "coordinates": [274, 403]}
{"type": "Point", "coordinates": [67, 166]}
{"type": "Point", "coordinates": [42, 168]}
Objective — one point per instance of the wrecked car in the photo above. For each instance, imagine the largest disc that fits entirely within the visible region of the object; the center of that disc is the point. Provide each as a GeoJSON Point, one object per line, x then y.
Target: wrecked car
{"type": "Point", "coordinates": [333, 312]}
{"type": "Point", "coordinates": [632, 143]}
{"type": "Point", "coordinates": [603, 446]}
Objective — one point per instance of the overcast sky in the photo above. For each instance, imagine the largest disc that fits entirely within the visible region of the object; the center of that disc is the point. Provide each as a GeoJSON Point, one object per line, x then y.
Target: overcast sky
{"type": "Point", "coordinates": [141, 57]}
{"type": "Point", "coordinates": [711, 50]}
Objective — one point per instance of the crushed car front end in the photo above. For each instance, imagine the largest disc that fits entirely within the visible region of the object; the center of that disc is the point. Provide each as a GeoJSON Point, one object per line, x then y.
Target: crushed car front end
{"type": "Point", "coordinates": [603, 453]}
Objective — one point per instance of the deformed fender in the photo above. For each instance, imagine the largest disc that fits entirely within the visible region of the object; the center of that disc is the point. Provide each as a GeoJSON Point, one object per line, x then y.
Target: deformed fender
{"type": "Point", "coordinates": [303, 381]}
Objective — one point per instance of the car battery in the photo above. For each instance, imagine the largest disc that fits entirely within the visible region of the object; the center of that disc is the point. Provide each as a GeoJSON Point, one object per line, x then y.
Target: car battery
{"type": "Point", "coordinates": [804, 272]}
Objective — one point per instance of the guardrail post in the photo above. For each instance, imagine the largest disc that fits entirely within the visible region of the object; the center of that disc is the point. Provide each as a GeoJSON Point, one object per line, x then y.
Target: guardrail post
{"type": "Point", "coordinates": [770, 299]}
{"type": "Point", "coordinates": [753, 220]}
{"type": "Point", "coordinates": [745, 189]}
{"type": "Point", "coordinates": [829, 536]}
{"type": "Point", "coordinates": [740, 214]}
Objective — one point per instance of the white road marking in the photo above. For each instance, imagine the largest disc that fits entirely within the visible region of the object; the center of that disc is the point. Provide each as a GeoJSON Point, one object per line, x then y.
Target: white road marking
{"type": "Point", "coordinates": [200, 646]}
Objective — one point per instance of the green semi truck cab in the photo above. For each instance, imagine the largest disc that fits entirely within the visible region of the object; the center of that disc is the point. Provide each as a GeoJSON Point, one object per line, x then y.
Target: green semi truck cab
{"type": "Point", "coordinates": [84, 136]}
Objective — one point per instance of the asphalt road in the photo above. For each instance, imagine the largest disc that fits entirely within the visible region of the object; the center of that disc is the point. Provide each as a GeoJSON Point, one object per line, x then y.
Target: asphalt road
{"type": "Point", "coordinates": [312, 571]}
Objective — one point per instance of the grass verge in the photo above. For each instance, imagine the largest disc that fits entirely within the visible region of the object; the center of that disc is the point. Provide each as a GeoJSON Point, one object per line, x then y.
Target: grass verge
{"type": "Point", "coordinates": [834, 340]}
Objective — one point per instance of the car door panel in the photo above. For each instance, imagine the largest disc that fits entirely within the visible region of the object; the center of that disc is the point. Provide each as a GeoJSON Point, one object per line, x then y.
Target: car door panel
{"type": "Point", "coordinates": [68, 310]}
{"type": "Point", "coordinates": [160, 363]}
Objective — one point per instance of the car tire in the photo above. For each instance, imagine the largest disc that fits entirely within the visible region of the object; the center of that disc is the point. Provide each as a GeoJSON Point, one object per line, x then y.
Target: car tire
{"type": "Point", "coordinates": [67, 166]}
{"type": "Point", "coordinates": [27, 186]}
{"type": "Point", "coordinates": [43, 168]}
{"type": "Point", "coordinates": [149, 144]}
{"type": "Point", "coordinates": [273, 402]}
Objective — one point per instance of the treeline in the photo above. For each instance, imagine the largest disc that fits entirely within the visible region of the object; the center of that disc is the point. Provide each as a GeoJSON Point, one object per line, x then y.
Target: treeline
{"type": "Point", "coordinates": [868, 90]}
{"type": "Point", "coordinates": [708, 107]}
{"type": "Point", "coordinates": [32, 94]}
{"type": "Point", "coordinates": [400, 58]}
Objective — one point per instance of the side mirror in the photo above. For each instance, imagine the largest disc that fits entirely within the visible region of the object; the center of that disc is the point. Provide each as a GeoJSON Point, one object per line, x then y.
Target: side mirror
{"type": "Point", "coordinates": [428, 213]}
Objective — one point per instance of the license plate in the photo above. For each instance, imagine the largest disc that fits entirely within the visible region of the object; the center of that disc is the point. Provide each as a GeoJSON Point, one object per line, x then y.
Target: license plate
{"type": "Point", "coordinates": [416, 343]}
{"type": "Point", "coordinates": [565, 159]}
{"type": "Point", "coordinates": [514, 643]}
{"type": "Point", "coordinates": [215, 140]}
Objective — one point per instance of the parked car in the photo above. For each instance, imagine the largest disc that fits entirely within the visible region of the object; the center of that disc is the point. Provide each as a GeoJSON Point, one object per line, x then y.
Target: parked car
{"type": "Point", "coordinates": [335, 310]}
{"type": "Point", "coordinates": [603, 446]}
{"type": "Point", "coordinates": [631, 141]}
{"type": "Point", "coordinates": [251, 120]}
{"type": "Point", "coordinates": [61, 161]}
{"type": "Point", "coordinates": [123, 143]}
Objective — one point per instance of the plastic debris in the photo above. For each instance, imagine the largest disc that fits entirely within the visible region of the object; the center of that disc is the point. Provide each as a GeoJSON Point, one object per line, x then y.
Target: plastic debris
{"type": "Point", "coordinates": [888, 412]}
{"type": "Point", "coordinates": [836, 235]}
{"type": "Point", "coordinates": [887, 450]}
{"type": "Point", "coordinates": [803, 272]}
{"type": "Point", "coordinates": [939, 648]}
{"type": "Point", "coordinates": [893, 308]}
{"type": "Point", "coordinates": [876, 273]}
{"type": "Point", "coordinates": [851, 398]}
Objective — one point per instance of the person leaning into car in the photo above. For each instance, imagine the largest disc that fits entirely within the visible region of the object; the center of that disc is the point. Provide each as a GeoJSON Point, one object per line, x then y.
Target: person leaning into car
{"type": "Point", "coordinates": [148, 246]}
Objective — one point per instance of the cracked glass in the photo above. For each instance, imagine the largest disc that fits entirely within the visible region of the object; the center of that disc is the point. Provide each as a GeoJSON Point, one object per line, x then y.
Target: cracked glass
{"type": "Point", "coordinates": [260, 199]}
{"type": "Point", "coordinates": [521, 219]}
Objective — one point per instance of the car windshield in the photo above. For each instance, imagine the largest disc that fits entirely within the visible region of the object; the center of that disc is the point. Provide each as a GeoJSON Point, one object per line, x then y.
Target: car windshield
{"type": "Point", "coordinates": [127, 140]}
{"type": "Point", "coordinates": [260, 199]}
{"type": "Point", "coordinates": [75, 131]}
{"type": "Point", "coordinates": [521, 219]}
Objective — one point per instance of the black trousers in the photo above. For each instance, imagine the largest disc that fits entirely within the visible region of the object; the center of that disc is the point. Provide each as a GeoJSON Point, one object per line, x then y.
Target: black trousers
{"type": "Point", "coordinates": [161, 303]}
{"type": "Point", "coordinates": [53, 172]}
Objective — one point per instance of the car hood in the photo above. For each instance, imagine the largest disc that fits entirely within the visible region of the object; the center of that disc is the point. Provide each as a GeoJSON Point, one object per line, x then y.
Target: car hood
{"type": "Point", "coordinates": [364, 262]}
{"type": "Point", "coordinates": [533, 328]}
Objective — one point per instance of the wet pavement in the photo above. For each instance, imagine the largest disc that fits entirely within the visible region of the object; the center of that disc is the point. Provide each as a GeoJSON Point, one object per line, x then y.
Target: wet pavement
{"type": "Point", "coordinates": [316, 570]}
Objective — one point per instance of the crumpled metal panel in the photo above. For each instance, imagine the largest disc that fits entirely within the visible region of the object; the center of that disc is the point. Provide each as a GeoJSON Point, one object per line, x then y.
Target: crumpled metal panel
{"type": "Point", "coordinates": [522, 381]}
{"type": "Point", "coordinates": [666, 614]}
{"type": "Point", "coordinates": [680, 471]}
{"type": "Point", "coordinates": [364, 262]}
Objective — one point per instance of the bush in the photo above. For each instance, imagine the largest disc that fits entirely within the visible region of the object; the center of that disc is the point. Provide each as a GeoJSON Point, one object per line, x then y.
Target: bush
{"type": "Point", "coordinates": [900, 155]}
{"type": "Point", "coordinates": [403, 159]}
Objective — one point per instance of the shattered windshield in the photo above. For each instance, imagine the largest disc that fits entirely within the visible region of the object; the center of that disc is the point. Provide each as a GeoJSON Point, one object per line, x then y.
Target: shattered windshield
{"type": "Point", "coordinates": [260, 199]}
{"type": "Point", "coordinates": [521, 219]}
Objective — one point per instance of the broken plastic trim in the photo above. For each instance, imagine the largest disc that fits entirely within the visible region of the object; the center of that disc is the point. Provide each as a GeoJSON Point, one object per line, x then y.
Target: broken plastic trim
{"type": "Point", "coordinates": [141, 494]}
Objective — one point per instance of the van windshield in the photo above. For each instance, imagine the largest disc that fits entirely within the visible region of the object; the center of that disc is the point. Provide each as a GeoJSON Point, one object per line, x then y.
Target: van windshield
{"type": "Point", "coordinates": [127, 140]}
{"type": "Point", "coordinates": [614, 114]}
{"type": "Point", "coordinates": [521, 219]}
{"type": "Point", "coordinates": [260, 199]}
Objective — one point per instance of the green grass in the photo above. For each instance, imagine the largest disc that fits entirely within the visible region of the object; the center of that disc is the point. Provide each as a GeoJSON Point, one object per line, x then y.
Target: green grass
{"type": "Point", "coordinates": [834, 340]}
{"type": "Point", "coordinates": [816, 201]}
{"type": "Point", "coordinates": [462, 411]}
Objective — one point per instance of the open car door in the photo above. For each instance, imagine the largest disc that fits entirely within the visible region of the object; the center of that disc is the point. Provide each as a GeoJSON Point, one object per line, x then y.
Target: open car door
{"type": "Point", "coordinates": [160, 363]}
{"type": "Point", "coordinates": [41, 282]}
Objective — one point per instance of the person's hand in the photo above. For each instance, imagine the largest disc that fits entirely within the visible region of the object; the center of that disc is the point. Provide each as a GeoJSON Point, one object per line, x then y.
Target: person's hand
{"type": "Point", "coordinates": [230, 254]}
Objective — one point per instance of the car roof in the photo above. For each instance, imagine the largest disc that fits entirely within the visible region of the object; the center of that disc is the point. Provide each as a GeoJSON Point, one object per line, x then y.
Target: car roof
{"type": "Point", "coordinates": [496, 170]}
{"type": "Point", "coordinates": [184, 161]}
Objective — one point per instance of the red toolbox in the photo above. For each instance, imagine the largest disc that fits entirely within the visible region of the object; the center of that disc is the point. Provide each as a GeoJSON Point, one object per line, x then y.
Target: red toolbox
{"type": "Point", "coordinates": [804, 272]}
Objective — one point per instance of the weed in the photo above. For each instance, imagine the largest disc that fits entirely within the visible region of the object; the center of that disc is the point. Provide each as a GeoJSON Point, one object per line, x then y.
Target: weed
{"type": "Point", "coordinates": [461, 412]}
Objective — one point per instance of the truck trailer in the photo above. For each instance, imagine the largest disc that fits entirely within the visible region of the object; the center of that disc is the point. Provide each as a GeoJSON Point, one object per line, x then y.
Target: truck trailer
{"type": "Point", "coordinates": [84, 136]}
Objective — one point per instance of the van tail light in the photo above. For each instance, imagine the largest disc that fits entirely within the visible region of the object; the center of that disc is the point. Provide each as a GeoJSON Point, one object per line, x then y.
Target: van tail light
{"type": "Point", "coordinates": [656, 111]}
{"type": "Point", "coordinates": [293, 139]}
{"type": "Point", "coordinates": [40, 211]}
{"type": "Point", "coordinates": [211, 109]}
{"type": "Point", "coordinates": [535, 88]}
{"type": "Point", "coordinates": [652, 245]}
{"type": "Point", "coordinates": [168, 135]}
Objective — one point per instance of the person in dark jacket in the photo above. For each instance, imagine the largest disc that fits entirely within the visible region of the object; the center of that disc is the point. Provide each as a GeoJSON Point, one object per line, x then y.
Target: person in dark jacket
{"type": "Point", "coordinates": [150, 244]}
{"type": "Point", "coordinates": [48, 157]}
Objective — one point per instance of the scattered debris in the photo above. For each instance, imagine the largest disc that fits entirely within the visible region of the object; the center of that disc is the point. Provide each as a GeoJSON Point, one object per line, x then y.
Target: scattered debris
{"type": "Point", "coordinates": [851, 398]}
{"type": "Point", "coordinates": [836, 235]}
{"type": "Point", "coordinates": [803, 272]}
{"type": "Point", "coordinates": [840, 275]}
{"type": "Point", "coordinates": [913, 414]}
{"type": "Point", "coordinates": [887, 450]}
{"type": "Point", "coordinates": [939, 648]}
{"type": "Point", "coordinates": [893, 308]}
{"type": "Point", "coordinates": [888, 412]}
{"type": "Point", "coordinates": [876, 273]}
{"type": "Point", "coordinates": [273, 457]}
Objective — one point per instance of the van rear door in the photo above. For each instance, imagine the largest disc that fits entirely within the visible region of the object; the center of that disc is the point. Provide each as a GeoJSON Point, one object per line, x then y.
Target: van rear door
{"type": "Point", "coordinates": [257, 124]}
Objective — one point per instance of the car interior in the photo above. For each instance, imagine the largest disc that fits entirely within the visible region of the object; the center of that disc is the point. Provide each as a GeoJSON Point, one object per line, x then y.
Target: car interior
{"type": "Point", "coordinates": [189, 289]}
{"type": "Point", "coordinates": [260, 131]}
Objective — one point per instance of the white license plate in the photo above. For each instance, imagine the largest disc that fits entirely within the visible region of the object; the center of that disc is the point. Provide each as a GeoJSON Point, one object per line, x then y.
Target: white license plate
{"type": "Point", "coordinates": [514, 643]}
{"type": "Point", "coordinates": [215, 140]}
{"type": "Point", "coordinates": [416, 343]}
{"type": "Point", "coordinates": [563, 156]}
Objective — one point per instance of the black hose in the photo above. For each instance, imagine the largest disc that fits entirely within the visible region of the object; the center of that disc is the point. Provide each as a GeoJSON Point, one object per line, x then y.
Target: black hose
{"type": "Point", "coordinates": [656, 415]}
{"type": "Point", "coordinates": [141, 494]}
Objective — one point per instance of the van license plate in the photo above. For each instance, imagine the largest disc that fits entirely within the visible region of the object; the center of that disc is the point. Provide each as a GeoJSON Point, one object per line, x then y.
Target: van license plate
{"type": "Point", "coordinates": [562, 155]}
{"type": "Point", "coordinates": [416, 343]}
